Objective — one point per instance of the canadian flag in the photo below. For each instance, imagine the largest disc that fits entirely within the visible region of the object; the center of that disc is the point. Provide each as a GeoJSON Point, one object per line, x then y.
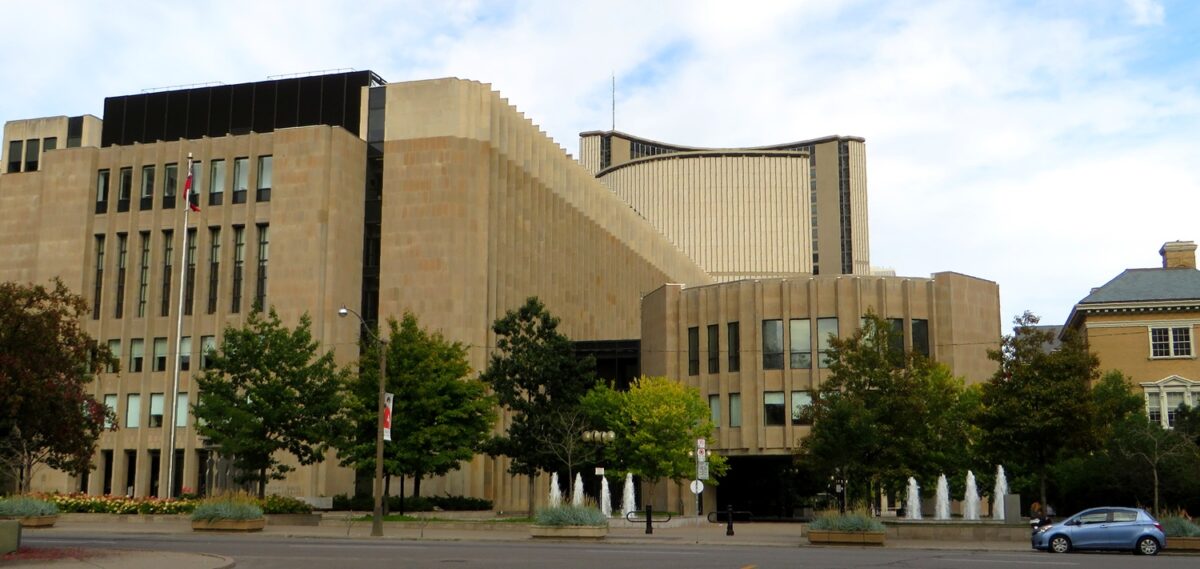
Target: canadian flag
{"type": "Point", "coordinates": [187, 189]}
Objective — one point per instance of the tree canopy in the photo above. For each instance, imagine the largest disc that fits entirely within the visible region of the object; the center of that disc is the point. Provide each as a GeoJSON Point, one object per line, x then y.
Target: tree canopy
{"type": "Point", "coordinates": [883, 415]}
{"type": "Point", "coordinates": [46, 359]}
{"type": "Point", "coordinates": [269, 389]}
{"type": "Point", "coordinates": [440, 417]}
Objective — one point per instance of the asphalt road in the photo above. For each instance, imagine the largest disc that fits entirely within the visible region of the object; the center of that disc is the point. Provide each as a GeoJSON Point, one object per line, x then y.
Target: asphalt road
{"type": "Point", "coordinates": [262, 552]}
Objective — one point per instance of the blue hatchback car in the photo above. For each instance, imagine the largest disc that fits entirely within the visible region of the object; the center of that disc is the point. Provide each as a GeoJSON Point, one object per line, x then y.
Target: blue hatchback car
{"type": "Point", "coordinates": [1125, 529]}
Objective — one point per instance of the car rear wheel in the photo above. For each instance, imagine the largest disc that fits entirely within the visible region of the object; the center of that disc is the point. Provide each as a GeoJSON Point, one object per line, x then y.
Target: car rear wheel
{"type": "Point", "coordinates": [1147, 546]}
{"type": "Point", "coordinates": [1060, 544]}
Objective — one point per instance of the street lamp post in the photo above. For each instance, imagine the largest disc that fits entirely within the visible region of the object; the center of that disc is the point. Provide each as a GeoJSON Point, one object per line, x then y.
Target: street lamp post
{"type": "Point", "coordinates": [377, 515]}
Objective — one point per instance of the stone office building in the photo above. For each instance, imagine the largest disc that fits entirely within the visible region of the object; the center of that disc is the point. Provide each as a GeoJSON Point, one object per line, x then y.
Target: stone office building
{"type": "Point", "coordinates": [440, 198]}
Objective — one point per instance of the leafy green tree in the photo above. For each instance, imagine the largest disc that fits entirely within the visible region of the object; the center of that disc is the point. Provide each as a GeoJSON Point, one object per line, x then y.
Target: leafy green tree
{"type": "Point", "coordinates": [883, 414]}
{"type": "Point", "coordinates": [656, 423]}
{"type": "Point", "coordinates": [536, 377]}
{"type": "Point", "coordinates": [46, 359]}
{"type": "Point", "coordinates": [1112, 401]}
{"type": "Point", "coordinates": [1038, 408]}
{"type": "Point", "coordinates": [1151, 447]}
{"type": "Point", "coordinates": [440, 417]}
{"type": "Point", "coordinates": [269, 389]}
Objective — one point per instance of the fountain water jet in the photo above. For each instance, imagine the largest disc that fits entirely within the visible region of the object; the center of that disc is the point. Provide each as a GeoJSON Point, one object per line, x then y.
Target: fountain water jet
{"type": "Point", "coordinates": [577, 491]}
{"type": "Point", "coordinates": [998, 494]}
{"type": "Point", "coordinates": [971, 499]}
{"type": "Point", "coordinates": [555, 492]}
{"type": "Point", "coordinates": [913, 502]}
{"type": "Point", "coordinates": [605, 498]}
{"type": "Point", "coordinates": [942, 505]}
{"type": "Point", "coordinates": [627, 504]}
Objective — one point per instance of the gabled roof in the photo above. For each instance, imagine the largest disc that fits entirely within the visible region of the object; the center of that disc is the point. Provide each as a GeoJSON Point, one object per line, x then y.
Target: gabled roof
{"type": "Point", "coordinates": [1144, 285]}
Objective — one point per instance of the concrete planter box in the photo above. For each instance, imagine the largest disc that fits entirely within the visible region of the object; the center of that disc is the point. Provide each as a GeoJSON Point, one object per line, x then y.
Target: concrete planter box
{"type": "Point", "coordinates": [10, 536]}
{"type": "Point", "coordinates": [229, 525]}
{"type": "Point", "coordinates": [35, 521]}
{"type": "Point", "coordinates": [845, 537]}
{"type": "Point", "coordinates": [1183, 543]}
{"type": "Point", "coordinates": [569, 532]}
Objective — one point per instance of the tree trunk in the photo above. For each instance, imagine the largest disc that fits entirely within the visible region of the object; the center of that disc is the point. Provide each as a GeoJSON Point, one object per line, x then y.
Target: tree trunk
{"type": "Point", "coordinates": [417, 484]}
{"type": "Point", "coordinates": [1155, 470]}
{"type": "Point", "coordinates": [531, 476]}
{"type": "Point", "coordinates": [1042, 482]}
{"type": "Point", "coordinates": [402, 494]}
{"type": "Point", "coordinates": [262, 483]}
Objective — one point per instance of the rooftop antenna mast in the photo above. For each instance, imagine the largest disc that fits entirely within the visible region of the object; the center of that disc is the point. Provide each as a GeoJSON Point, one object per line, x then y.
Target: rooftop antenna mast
{"type": "Point", "coordinates": [614, 101]}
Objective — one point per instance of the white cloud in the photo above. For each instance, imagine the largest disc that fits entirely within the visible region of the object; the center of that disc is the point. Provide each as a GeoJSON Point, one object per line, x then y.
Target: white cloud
{"type": "Point", "coordinates": [1045, 149]}
{"type": "Point", "coordinates": [1146, 12]}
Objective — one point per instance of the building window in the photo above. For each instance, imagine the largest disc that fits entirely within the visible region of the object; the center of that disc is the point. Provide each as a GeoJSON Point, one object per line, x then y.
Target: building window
{"type": "Point", "coordinates": [735, 346]}
{"type": "Point", "coordinates": [170, 185]}
{"type": "Point", "coordinates": [241, 179]}
{"type": "Point", "coordinates": [144, 275]}
{"type": "Point", "coordinates": [896, 340]}
{"type": "Point", "coordinates": [693, 350]}
{"type": "Point", "coordinates": [216, 182]}
{"type": "Point", "coordinates": [1171, 342]}
{"type": "Point", "coordinates": [800, 350]}
{"type": "Point", "coordinates": [49, 143]}
{"type": "Point", "coordinates": [122, 256]}
{"type": "Point", "coordinates": [133, 410]}
{"type": "Point", "coordinates": [214, 266]}
{"type": "Point", "coordinates": [168, 256]}
{"type": "Point", "coordinates": [114, 348]}
{"type": "Point", "coordinates": [102, 191]}
{"type": "Point", "coordinates": [181, 411]}
{"type": "Point", "coordinates": [1174, 401]}
{"type": "Point", "coordinates": [193, 194]}
{"type": "Point", "coordinates": [801, 405]}
{"type": "Point", "coordinates": [208, 346]}
{"type": "Point", "coordinates": [110, 403]}
{"type": "Point", "coordinates": [714, 349]}
{"type": "Point", "coordinates": [185, 353]}
{"type": "Point", "coordinates": [156, 410]}
{"type": "Point", "coordinates": [773, 408]}
{"type": "Point", "coordinates": [1154, 408]}
{"type": "Point", "coordinates": [772, 344]}
{"type": "Point", "coordinates": [160, 354]}
{"type": "Point", "coordinates": [239, 264]}
{"type": "Point", "coordinates": [98, 285]}
{"type": "Point", "coordinates": [263, 193]}
{"type": "Point", "coordinates": [147, 201]}
{"type": "Point", "coordinates": [31, 155]}
{"type": "Point", "coordinates": [714, 409]}
{"type": "Point", "coordinates": [124, 188]}
{"type": "Point", "coordinates": [826, 328]}
{"type": "Point", "coordinates": [920, 336]}
{"type": "Point", "coordinates": [260, 284]}
{"type": "Point", "coordinates": [735, 409]}
{"type": "Point", "coordinates": [136, 349]}
{"type": "Point", "coordinates": [14, 156]}
{"type": "Point", "coordinates": [189, 288]}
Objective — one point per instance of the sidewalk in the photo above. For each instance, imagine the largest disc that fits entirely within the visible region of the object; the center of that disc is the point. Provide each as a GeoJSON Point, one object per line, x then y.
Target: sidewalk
{"type": "Point", "coordinates": [745, 535]}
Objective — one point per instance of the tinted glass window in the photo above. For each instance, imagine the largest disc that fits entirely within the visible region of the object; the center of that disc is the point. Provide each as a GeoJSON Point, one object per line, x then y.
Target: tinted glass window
{"type": "Point", "coordinates": [1124, 516]}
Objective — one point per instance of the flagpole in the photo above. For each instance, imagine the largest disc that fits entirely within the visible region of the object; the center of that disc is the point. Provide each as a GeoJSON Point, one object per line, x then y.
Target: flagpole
{"type": "Point", "coordinates": [183, 249]}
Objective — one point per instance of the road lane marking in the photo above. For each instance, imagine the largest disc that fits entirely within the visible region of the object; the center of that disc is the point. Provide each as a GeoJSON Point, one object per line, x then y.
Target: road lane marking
{"type": "Point", "coordinates": [1008, 561]}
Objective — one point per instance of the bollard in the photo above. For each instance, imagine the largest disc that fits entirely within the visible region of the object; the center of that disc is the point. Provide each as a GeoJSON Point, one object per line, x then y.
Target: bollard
{"type": "Point", "coordinates": [649, 514]}
{"type": "Point", "coordinates": [729, 521]}
{"type": "Point", "coordinates": [10, 536]}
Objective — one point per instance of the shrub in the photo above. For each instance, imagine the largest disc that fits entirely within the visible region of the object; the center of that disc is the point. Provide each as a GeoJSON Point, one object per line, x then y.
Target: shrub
{"type": "Point", "coordinates": [79, 503]}
{"type": "Point", "coordinates": [232, 507]}
{"type": "Point", "coordinates": [570, 515]}
{"type": "Point", "coordinates": [849, 521]}
{"type": "Point", "coordinates": [1178, 526]}
{"type": "Point", "coordinates": [22, 506]}
{"type": "Point", "coordinates": [284, 505]}
{"type": "Point", "coordinates": [364, 503]}
{"type": "Point", "coordinates": [460, 503]}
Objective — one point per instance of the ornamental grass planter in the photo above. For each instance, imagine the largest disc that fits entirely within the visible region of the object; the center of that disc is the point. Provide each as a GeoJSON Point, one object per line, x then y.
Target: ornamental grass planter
{"type": "Point", "coordinates": [254, 524]}
{"type": "Point", "coordinates": [34, 521]}
{"type": "Point", "coordinates": [829, 537]}
{"type": "Point", "coordinates": [568, 532]}
{"type": "Point", "coordinates": [1183, 543]}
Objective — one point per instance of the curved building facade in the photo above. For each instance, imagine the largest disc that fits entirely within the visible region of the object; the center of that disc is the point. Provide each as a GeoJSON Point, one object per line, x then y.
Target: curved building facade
{"type": "Point", "coordinates": [770, 211]}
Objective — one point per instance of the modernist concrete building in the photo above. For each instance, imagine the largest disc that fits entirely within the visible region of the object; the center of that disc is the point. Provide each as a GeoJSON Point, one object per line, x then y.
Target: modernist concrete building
{"type": "Point", "coordinates": [1143, 323]}
{"type": "Point", "coordinates": [440, 198]}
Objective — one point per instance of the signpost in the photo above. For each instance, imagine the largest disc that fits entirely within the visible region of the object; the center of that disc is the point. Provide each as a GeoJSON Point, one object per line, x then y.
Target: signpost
{"type": "Point", "coordinates": [701, 471]}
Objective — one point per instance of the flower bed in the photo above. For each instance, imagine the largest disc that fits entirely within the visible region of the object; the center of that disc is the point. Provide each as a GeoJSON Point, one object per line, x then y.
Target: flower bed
{"type": "Point", "coordinates": [846, 528]}
{"type": "Point", "coordinates": [86, 504]}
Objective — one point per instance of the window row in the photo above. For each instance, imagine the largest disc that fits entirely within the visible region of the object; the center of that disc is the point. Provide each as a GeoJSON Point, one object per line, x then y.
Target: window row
{"type": "Point", "coordinates": [167, 262]}
{"type": "Point", "coordinates": [799, 342]}
{"type": "Point", "coordinates": [775, 410]}
{"type": "Point", "coordinates": [170, 185]}
{"type": "Point", "coordinates": [137, 354]}
{"type": "Point", "coordinates": [154, 417]}
{"type": "Point", "coordinates": [27, 161]}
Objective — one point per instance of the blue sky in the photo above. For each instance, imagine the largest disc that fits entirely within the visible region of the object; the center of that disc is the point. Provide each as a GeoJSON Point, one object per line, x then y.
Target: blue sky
{"type": "Point", "coordinates": [1044, 145]}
